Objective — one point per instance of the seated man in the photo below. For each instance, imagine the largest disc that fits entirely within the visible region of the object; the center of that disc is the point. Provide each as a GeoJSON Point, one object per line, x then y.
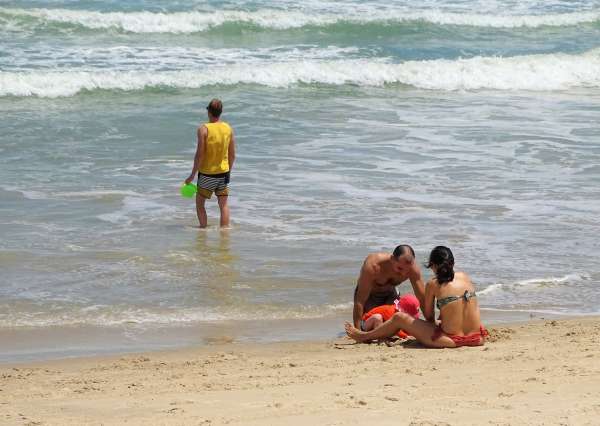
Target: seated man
{"type": "Point", "coordinates": [379, 276]}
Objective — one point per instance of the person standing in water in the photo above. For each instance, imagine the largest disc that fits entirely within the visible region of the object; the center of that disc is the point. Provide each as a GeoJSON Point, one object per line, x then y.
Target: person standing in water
{"type": "Point", "coordinates": [215, 155]}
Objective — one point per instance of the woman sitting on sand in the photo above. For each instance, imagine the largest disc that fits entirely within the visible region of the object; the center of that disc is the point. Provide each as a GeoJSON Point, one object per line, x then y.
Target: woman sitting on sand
{"type": "Point", "coordinates": [459, 311]}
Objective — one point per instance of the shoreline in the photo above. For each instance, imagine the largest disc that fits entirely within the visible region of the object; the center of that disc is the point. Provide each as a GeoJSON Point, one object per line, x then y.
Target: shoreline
{"type": "Point", "coordinates": [538, 372]}
{"type": "Point", "coordinates": [23, 345]}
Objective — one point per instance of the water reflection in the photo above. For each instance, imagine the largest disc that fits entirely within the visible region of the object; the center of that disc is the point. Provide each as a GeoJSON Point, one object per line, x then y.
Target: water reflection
{"type": "Point", "coordinates": [220, 266]}
{"type": "Point", "coordinates": [215, 247]}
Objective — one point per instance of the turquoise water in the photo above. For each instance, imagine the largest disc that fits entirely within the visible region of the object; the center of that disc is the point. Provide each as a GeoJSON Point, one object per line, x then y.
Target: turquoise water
{"type": "Point", "coordinates": [360, 125]}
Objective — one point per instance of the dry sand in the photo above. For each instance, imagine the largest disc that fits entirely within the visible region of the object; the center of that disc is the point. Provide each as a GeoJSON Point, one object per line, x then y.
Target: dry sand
{"type": "Point", "coordinates": [544, 372]}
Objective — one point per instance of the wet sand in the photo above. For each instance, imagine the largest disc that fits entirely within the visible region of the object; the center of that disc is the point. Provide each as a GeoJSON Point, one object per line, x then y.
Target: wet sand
{"type": "Point", "coordinates": [541, 372]}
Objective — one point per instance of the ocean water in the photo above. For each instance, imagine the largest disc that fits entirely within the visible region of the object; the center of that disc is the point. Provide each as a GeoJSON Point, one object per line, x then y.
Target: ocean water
{"type": "Point", "coordinates": [360, 126]}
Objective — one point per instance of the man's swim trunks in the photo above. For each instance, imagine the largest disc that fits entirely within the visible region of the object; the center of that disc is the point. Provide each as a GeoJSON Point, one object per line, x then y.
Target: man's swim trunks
{"type": "Point", "coordinates": [219, 184]}
{"type": "Point", "coordinates": [378, 299]}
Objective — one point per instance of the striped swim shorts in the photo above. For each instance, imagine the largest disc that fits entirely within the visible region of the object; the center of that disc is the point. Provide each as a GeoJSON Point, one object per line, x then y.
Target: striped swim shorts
{"type": "Point", "coordinates": [207, 184]}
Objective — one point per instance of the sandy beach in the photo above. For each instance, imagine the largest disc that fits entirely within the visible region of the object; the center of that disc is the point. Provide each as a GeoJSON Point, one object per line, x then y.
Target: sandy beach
{"type": "Point", "coordinates": [542, 372]}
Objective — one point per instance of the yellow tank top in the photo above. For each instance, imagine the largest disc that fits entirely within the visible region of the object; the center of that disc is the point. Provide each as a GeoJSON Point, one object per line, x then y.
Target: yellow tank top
{"type": "Point", "coordinates": [215, 158]}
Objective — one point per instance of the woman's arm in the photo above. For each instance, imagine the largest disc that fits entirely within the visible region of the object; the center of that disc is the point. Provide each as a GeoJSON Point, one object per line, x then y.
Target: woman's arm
{"type": "Point", "coordinates": [428, 306]}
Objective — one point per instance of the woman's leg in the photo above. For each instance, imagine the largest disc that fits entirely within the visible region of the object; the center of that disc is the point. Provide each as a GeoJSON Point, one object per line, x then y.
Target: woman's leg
{"type": "Point", "coordinates": [373, 322]}
{"type": "Point", "coordinates": [421, 330]}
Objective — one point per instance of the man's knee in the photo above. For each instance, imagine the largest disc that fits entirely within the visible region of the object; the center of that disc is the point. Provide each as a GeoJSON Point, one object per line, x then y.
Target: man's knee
{"type": "Point", "coordinates": [222, 201]}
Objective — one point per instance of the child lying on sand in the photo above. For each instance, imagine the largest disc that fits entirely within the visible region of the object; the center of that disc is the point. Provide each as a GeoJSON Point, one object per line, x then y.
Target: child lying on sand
{"type": "Point", "coordinates": [407, 303]}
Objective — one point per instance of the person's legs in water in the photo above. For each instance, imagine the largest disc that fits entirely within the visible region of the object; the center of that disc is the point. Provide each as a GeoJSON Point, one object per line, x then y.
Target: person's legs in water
{"type": "Point", "coordinates": [224, 208]}
{"type": "Point", "coordinates": [374, 321]}
{"type": "Point", "coordinates": [201, 210]}
{"type": "Point", "coordinates": [421, 330]}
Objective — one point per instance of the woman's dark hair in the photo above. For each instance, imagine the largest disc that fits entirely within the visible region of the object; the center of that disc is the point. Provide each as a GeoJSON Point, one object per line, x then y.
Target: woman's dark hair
{"type": "Point", "coordinates": [402, 249]}
{"type": "Point", "coordinates": [443, 259]}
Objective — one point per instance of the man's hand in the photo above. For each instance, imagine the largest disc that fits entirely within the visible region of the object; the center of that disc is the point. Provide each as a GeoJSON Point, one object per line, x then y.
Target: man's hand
{"type": "Point", "coordinates": [190, 178]}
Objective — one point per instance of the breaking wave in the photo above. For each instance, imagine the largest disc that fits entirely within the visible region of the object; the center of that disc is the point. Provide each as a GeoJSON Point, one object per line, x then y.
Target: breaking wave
{"type": "Point", "coordinates": [536, 282]}
{"type": "Point", "coordinates": [548, 72]}
{"type": "Point", "coordinates": [275, 19]}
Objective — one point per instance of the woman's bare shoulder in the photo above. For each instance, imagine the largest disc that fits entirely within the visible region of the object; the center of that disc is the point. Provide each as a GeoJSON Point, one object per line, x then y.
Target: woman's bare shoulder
{"type": "Point", "coordinates": [462, 277]}
{"type": "Point", "coordinates": [431, 284]}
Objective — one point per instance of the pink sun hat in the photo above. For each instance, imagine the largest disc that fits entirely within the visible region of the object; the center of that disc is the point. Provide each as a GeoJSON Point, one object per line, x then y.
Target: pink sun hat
{"type": "Point", "coordinates": [409, 304]}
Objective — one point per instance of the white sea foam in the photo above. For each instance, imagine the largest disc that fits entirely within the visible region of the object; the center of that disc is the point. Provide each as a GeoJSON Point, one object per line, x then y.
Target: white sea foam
{"type": "Point", "coordinates": [26, 193]}
{"type": "Point", "coordinates": [136, 207]}
{"type": "Point", "coordinates": [100, 315]}
{"type": "Point", "coordinates": [96, 194]}
{"type": "Point", "coordinates": [198, 21]}
{"type": "Point", "coordinates": [530, 72]}
{"type": "Point", "coordinates": [564, 312]}
{"type": "Point", "coordinates": [172, 58]}
{"type": "Point", "coordinates": [39, 195]}
{"type": "Point", "coordinates": [536, 282]}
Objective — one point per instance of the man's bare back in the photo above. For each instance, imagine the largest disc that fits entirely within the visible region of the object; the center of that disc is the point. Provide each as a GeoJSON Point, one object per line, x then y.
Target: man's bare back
{"type": "Point", "coordinates": [379, 276]}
